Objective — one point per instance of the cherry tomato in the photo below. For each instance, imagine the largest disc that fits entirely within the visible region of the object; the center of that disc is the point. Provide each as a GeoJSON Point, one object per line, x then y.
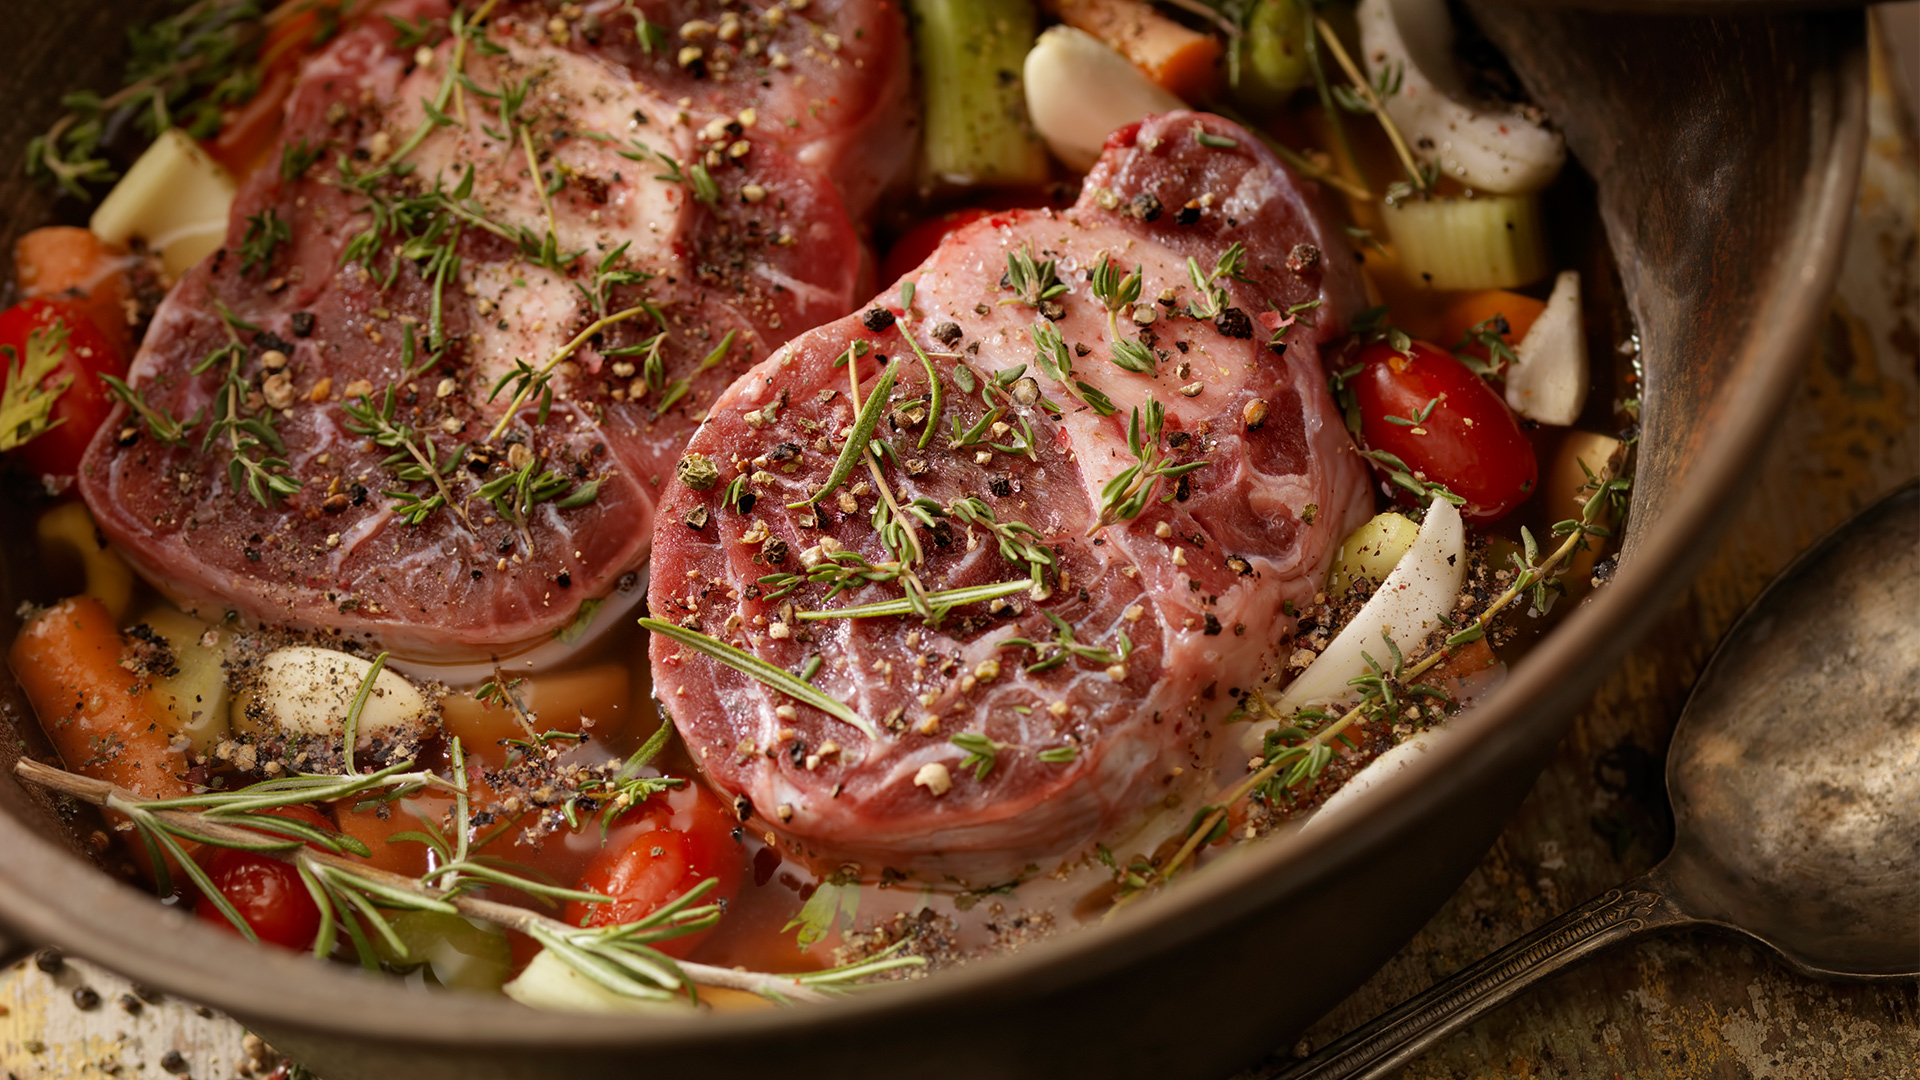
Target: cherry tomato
{"type": "Point", "coordinates": [82, 355]}
{"type": "Point", "coordinates": [266, 892]}
{"type": "Point", "coordinates": [1451, 428]}
{"type": "Point", "coordinates": [655, 853]}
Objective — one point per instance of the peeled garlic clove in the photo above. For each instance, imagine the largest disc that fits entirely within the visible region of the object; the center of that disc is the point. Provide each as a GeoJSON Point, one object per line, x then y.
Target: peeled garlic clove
{"type": "Point", "coordinates": [305, 690]}
{"type": "Point", "coordinates": [1547, 380]}
{"type": "Point", "coordinates": [1487, 146]}
{"type": "Point", "coordinates": [1079, 91]}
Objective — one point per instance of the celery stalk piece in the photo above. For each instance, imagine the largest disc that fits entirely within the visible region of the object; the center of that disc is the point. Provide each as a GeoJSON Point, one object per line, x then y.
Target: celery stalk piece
{"type": "Point", "coordinates": [1487, 242]}
{"type": "Point", "coordinates": [971, 55]}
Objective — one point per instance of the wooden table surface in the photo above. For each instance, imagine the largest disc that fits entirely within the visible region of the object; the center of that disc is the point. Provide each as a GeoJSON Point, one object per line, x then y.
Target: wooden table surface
{"type": "Point", "coordinates": [1687, 1006]}
{"type": "Point", "coordinates": [1691, 1006]}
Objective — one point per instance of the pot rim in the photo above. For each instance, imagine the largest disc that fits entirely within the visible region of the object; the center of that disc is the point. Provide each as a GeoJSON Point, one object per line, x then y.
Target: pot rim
{"type": "Point", "coordinates": [64, 900]}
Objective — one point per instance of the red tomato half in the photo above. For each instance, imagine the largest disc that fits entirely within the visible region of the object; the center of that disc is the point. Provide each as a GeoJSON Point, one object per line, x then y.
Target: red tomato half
{"type": "Point", "coordinates": [1467, 440]}
{"type": "Point", "coordinates": [655, 853]}
{"type": "Point", "coordinates": [85, 353]}
{"type": "Point", "coordinates": [266, 892]}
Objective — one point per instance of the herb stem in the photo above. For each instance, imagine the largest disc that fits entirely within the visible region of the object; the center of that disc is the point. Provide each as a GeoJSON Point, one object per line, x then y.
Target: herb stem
{"type": "Point", "coordinates": [1365, 89]}
{"type": "Point", "coordinates": [546, 370]}
{"type": "Point", "coordinates": [867, 418]}
{"type": "Point", "coordinates": [950, 598]}
{"type": "Point", "coordinates": [755, 668]}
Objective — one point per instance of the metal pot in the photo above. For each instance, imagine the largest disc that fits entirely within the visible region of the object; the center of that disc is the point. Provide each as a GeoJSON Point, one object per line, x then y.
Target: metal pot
{"type": "Point", "coordinates": [1725, 152]}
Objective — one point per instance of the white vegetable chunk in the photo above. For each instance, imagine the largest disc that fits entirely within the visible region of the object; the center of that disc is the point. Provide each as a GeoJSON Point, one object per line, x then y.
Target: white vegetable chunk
{"type": "Point", "coordinates": [175, 197]}
{"type": "Point", "coordinates": [1079, 91]}
{"type": "Point", "coordinates": [303, 690]}
{"type": "Point", "coordinates": [1547, 380]}
{"type": "Point", "coordinates": [1488, 146]}
{"type": "Point", "coordinates": [549, 984]}
{"type": "Point", "coordinates": [1379, 769]}
{"type": "Point", "coordinates": [1407, 607]}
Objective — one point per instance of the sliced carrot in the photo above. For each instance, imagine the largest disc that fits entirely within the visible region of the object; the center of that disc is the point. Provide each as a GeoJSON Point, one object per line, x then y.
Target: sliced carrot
{"type": "Point", "coordinates": [1185, 62]}
{"type": "Point", "coordinates": [1471, 309]}
{"type": "Point", "coordinates": [248, 133]}
{"type": "Point", "coordinates": [67, 660]}
{"type": "Point", "coordinates": [69, 263]}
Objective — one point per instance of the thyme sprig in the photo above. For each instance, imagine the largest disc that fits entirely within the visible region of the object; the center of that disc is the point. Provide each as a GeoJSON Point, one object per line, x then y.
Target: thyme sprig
{"type": "Point", "coordinates": [1127, 494]}
{"type": "Point", "coordinates": [1489, 334]}
{"type": "Point", "coordinates": [1117, 292]}
{"type": "Point", "coordinates": [184, 70]}
{"type": "Point", "coordinates": [1019, 542]}
{"type": "Point", "coordinates": [1230, 266]}
{"type": "Point", "coordinates": [1033, 283]}
{"type": "Point", "coordinates": [1052, 358]}
{"type": "Point", "coordinates": [1300, 750]}
{"type": "Point", "coordinates": [244, 434]}
{"type": "Point", "coordinates": [1064, 647]}
{"type": "Point", "coordinates": [355, 898]}
{"type": "Point", "coordinates": [1419, 178]}
{"type": "Point", "coordinates": [415, 459]}
{"type": "Point", "coordinates": [528, 380]}
{"type": "Point", "coordinates": [681, 386]}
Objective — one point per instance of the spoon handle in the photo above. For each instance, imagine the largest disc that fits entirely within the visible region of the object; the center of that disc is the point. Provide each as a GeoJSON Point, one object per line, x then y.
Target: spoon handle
{"type": "Point", "coordinates": [1396, 1036]}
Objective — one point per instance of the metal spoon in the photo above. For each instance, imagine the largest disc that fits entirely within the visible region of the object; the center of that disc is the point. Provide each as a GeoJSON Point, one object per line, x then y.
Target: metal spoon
{"type": "Point", "coordinates": [1795, 779]}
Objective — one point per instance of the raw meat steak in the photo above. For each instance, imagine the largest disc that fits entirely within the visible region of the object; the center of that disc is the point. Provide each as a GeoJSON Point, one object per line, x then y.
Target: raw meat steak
{"type": "Point", "coordinates": [404, 254]}
{"type": "Point", "coordinates": [1018, 728]}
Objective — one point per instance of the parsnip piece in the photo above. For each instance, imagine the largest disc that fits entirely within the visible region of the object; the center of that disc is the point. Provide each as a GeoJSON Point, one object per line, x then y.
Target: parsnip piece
{"type": "Point", "coordinates": [304, 690]}
{"type": "Point", "coordinates": [1488, 242]}
{"type": "Point", "coordinates": [551, 985]}
{"type": "Point", "coordinates": [175, 197]}
{"type": "Point", "coordinates": [1079, 90]}
{"type": "Point", "coordinates": [1487, 146]}
{"type": "Point", "coordinates": [109, 578]}
{"type": "Point", "coordinates": [1372, 551]}
{"type": "Point", "coordinates": [194, 697]}
{"type": "Point", "coordinates": [1547, 380]}
{"type": "Point", "coordinates": [1407, 607]}
{"type": "Point", "coordinates": [1376, 771]}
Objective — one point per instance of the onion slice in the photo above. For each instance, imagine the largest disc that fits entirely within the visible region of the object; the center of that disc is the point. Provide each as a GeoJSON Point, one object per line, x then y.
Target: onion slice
{"type": "Point", "coordinates": [1407, 607]}
{"type": "Point", "coordinates": [1488, 146]}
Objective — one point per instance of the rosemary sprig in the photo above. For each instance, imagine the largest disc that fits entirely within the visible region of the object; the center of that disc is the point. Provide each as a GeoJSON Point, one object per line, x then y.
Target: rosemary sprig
{"type": "Point", "coordinates": [1127, 494]}
{"type": "Point", "coordinates": [766, 674]}
{"type": "Point", "coordinates": [940, 602]}
{"type": "Point", "coordinates": [354, 897]}
{"type": "Point", "coordinates": [855, 449]}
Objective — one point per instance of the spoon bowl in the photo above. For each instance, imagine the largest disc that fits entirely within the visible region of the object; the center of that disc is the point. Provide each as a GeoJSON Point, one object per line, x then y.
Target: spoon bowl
{"type": "Point", "coordinates": [1795, 778]}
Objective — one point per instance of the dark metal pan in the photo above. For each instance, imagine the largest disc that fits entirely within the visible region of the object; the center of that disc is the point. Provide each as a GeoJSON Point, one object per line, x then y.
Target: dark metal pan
{"type": "Point", "coordinates": [1725, 152]}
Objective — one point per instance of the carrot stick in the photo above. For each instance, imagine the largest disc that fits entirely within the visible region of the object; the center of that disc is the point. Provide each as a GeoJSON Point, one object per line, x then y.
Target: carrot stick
{"type": "Point", "coordinates": [70, 263]}
{"type": "Point", "coordinates": [67, 660]}
{"type": "Point", "coordinates": [1185, 62]}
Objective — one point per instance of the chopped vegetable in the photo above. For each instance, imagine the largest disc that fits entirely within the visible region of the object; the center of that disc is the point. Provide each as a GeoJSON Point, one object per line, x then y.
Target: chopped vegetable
{"type": "Point", "coordinates": [1548, 378]}
{"type": "Point", "coordinates": [1184, 62]}
{"type": "Point", "coordinates": [1079, 91]}
{"type": "Point", "coordinates": [1487, 146]}
{"type": "Point", "coordinates": [71, 528]}
{"type": "Point", "coordinates": [971, 53]}
{"type": "Point", "coordinates": [1371, 551]}
{"type": "Point", "coordinates": [175, 198]}
{"type": "Point", "coordinates": [67, 660]}
{"type": "Point", "coordinates": [304, 690]}
{"type": "Point", "coordinates": [1488, 242]}
{"type": "Point", "coordinates": [1407, 607]}
{"type": "Point", "coordinates": [194, 696]}
{"type": "Point", "coordinates": [1273, 53]}
{"type": "Point", "coordinates": [1429, 421]}
{"type": "Point", "coordinates": [69, 263]}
